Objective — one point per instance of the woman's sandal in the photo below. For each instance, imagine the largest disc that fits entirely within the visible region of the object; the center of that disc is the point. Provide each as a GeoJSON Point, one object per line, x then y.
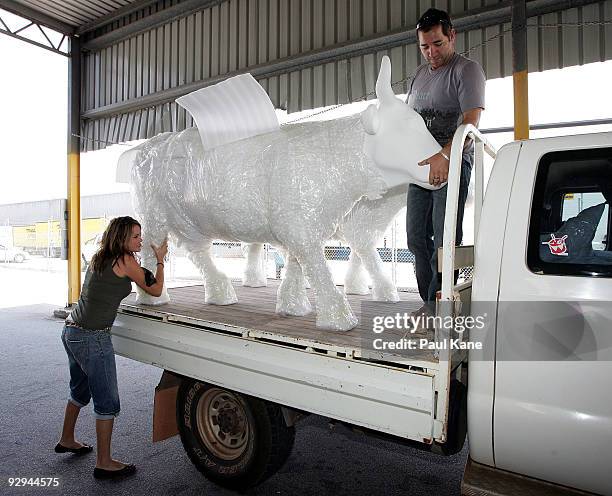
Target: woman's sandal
{"type": "Point", "coordinates": [83, 450]}
{"type": "Point", "coordinates": [101, 473]}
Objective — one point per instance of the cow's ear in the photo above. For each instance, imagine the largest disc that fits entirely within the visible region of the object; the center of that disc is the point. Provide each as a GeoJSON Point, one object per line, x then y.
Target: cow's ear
{"type": "Point", "coordinates": [370, 120]}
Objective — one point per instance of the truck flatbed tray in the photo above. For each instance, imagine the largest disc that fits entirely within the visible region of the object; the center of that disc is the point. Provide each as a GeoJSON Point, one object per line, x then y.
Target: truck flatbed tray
{"type": "Point", "coordinates": [254, 317]}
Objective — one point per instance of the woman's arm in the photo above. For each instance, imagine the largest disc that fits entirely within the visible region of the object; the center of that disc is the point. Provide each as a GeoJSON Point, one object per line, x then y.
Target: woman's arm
{"type": "Point", "coordinates": [136, 273]}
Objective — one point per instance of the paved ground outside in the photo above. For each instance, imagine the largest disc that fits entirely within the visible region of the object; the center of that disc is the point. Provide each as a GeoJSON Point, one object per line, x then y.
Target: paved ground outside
{"type": "Point", "coordinates": [33, 392]}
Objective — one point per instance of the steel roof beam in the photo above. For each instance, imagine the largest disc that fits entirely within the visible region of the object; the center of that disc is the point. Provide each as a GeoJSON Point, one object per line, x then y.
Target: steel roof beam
{"type": "Point", "coordinates": [113, 16]}
{"type": "Point", "coordinates": [147, 23]}
{"type": "Point", "coordinates": [36, 16]}
{"type": "Point", "coordinates": [550, 125]}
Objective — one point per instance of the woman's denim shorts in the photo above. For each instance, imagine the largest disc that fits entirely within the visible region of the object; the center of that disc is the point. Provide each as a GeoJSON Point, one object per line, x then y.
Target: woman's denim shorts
{"type": "Point", "coordinates": [93, 373]}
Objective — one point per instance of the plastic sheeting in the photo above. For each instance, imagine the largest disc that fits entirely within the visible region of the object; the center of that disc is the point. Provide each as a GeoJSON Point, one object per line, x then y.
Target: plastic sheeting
{"type": "Point", "coordinates": [231, 110]}
{"type": "Point", "coordinates": [290, 188]}
{"type": "Point", "coordinates": [293, 188]}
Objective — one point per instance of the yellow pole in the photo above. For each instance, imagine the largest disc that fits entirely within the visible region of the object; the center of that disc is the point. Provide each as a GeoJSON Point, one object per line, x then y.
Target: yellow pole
{"type": "Point", "coordinates": [74, 171]}
{"type": "Point", "coordinates": [519, 69]}
{"type": "Point", "coordinates": [521, 105]}
{"type": "Point", "coordinates": [74, 227]}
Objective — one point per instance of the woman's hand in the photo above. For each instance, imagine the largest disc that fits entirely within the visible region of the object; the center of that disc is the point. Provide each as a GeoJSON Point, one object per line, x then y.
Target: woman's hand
{"type": "Point", "coordinates": [161, 251]}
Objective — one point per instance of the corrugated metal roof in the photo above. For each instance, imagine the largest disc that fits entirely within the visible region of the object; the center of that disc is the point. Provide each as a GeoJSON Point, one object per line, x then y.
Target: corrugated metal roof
{"type": "Point", "coordinates": [73, 13]}
{"type": "Point", "coordinates": [139, 55]}
{"type": "Point", "coordinates": [238, 35]}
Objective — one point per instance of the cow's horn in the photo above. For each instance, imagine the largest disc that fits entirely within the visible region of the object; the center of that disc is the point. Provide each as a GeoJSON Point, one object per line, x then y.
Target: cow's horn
{"type": "Point", "coordinates": [384, 92]}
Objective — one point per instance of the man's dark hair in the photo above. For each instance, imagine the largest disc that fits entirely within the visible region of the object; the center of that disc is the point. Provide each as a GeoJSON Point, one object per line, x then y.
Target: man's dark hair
{"type": "Point", "coordinates": [435, 17]}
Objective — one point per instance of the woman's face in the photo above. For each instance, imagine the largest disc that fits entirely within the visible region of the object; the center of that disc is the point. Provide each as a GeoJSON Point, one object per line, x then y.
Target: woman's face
{"type": "Point", "coordinates": [134, 243]}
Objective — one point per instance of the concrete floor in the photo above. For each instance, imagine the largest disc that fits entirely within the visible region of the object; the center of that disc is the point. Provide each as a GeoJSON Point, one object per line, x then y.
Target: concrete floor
{"type": "Point", "coordinates": [34, 388]}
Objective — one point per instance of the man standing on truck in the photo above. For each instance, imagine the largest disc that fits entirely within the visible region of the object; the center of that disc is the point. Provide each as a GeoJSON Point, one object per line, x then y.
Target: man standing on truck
{"type": "Point", "coordinates": [447, 91]}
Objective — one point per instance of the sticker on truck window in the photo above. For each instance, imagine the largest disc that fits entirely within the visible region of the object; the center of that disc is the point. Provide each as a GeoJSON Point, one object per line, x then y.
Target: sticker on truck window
{"type": "Point", "coordinates": [557, 245]}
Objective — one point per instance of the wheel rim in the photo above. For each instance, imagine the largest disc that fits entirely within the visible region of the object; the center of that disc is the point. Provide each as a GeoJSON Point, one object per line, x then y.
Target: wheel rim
{"type": "Point", "coordinates": [222, 423]}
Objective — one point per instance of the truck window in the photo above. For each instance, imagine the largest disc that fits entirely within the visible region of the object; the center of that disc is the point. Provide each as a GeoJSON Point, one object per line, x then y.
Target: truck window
{"type": "Point", "coordinates": [570, 215]}
{"type": "Point", "coordinates": [574, 203]}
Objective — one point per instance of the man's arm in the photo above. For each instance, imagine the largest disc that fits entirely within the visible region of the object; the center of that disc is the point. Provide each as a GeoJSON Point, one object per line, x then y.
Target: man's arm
{"type": "Point", "coordinates": [438, 165]}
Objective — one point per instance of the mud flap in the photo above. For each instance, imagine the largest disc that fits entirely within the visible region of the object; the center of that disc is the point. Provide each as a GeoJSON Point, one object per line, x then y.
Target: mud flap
{"type": "Point", "coordinates": [164, 409]}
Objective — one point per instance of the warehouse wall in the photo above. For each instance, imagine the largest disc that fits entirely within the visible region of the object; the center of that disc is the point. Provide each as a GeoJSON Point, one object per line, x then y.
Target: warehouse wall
{"type": "Point", "coordinates": [240, 35]}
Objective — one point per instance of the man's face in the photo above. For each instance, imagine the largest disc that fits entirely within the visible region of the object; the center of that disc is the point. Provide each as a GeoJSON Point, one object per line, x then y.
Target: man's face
{"type": "Point", "coordinates": [436, 47]}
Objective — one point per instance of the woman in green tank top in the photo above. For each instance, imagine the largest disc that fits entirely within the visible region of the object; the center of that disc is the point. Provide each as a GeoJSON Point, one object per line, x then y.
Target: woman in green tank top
{"type": "Point", "coordinates": [87, 341]}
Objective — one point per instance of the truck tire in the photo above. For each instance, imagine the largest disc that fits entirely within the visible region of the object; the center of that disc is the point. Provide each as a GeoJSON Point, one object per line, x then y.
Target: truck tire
{"type": "Point", "coordinates": [234, 440]}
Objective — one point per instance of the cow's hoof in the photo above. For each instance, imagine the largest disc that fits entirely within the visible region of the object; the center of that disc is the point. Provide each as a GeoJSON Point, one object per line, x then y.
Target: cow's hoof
{"type": "Point", "coordinates": [143, 298]}
{"type": "Point", "coordinates": [356, 288]}
{"type": "Point", "coordinates": [254, 281]}
{"type": "Point", "coordinates": [293, 306]}
{"type": "Point", "coordinates": [386, 292]}
{"type": "Point", "coordinates": [342, 321]}
{"type": "Point", "coordinates": [356, 282]}
{"type": "Point", "coordinates": [220, 292]}
{"type": "Point", "coordinates": [291, 297]}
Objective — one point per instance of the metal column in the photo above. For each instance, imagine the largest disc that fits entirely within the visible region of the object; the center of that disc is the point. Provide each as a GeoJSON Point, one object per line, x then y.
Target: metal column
{"type": "Point", "coordinates": [74, 171]}
{"type": "Point", "coordinates": [519, 69]}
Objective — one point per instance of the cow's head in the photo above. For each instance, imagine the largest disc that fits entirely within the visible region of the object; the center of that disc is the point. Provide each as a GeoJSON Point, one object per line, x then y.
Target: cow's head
{"type": "Point", "coordinates": [396, 136]}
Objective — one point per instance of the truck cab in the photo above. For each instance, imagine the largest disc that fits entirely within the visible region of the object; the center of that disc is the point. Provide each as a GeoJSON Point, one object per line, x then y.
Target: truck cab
{"type": "Point", "coordinates": [539, 401]}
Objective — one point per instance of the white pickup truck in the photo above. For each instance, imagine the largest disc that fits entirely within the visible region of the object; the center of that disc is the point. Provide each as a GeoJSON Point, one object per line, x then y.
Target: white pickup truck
{"type": "Point", "coordinates": [531, 387]}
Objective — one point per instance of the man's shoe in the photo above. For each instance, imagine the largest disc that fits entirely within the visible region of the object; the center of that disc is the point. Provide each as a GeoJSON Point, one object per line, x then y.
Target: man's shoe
{"type": "Point", "coordinates": [424, 310]}
{"type": "Point", "coordinates": [421, 319]}
{"type": "Point", "coordinates": [101, 473]}
{"type": "Point", "coordinates": [83, 450]}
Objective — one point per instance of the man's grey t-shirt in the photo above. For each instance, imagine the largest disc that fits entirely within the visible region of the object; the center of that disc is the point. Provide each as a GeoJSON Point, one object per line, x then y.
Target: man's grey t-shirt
{"type": "Point", "coordinates": [441, 96]}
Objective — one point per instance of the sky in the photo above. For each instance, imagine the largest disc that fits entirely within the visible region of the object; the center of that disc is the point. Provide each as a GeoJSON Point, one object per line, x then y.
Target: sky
{"type": "Point", "coordinates": [33, 107]}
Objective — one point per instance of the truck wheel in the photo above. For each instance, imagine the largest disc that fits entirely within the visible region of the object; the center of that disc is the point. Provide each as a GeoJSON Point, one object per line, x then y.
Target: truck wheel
{"type": "Point", "coordinates": [235, 440]}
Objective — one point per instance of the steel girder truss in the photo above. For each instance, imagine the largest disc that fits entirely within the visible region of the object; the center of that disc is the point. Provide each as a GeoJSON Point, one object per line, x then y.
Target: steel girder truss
{"type": "Point", "coordinates": [29, 29]}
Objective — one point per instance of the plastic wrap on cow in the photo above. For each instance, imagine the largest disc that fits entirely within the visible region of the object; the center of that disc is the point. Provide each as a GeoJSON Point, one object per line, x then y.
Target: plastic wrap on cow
{"type": "Point", "coordinates": [291, 188]}
{"type": "Point", "coordinates": [294, 188]}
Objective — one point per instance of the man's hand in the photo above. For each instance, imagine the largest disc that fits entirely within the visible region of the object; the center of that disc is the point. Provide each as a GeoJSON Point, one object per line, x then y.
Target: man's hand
{"type": "Point", "coordinates": [438, 169]}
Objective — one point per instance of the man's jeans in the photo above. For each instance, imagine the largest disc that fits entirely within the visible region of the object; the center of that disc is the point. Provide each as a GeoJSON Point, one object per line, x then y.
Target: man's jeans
{"type": "Point", "coordinates": [92, 370]}
{"type": "Point", "coordinates": [424, 220]}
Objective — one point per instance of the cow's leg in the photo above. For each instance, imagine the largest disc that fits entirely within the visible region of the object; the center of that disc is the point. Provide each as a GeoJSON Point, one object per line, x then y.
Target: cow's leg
{"type": "Point", "coordinates": [218, 289]}
{"type": "Point", "coordinates": [254, 274]}
{"type": "Point", "coordinates": [355, 280]}
{"type": "Point", "coordinates": [363, 227]}
{"type": "Point", "coordinates": [291, 297]}
{"type": "Point", "coordinates": [154, 231]}
{"type": "Point", "coordinates": [333, 310]}
{"type": "Point", "coordinates": [383, 288]}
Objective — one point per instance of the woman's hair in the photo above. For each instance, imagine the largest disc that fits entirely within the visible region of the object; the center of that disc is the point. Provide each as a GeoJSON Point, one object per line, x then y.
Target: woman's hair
{"type": "Point", "coordinates": [113, 243]}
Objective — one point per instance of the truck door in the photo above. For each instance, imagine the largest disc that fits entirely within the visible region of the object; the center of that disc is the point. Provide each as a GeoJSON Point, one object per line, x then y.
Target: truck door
{"type": "Point", "coordinates": [552, 415]}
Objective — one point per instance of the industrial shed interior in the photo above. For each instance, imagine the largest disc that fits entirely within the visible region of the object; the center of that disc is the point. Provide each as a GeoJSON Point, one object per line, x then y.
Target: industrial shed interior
{"type": "Point", "coordinates": [130, 60]}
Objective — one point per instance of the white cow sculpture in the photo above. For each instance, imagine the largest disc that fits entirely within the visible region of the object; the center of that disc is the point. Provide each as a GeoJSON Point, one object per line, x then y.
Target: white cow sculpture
{"type": "Point", "coordinates": [294, 188]}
